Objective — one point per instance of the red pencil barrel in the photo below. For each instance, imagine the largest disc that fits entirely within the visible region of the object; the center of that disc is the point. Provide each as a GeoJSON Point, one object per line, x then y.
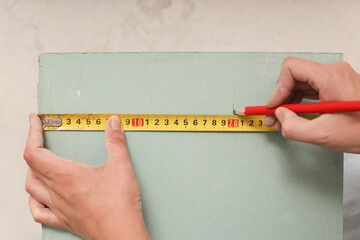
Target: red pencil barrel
{"type": "Point", "coordinates": [319, 107]}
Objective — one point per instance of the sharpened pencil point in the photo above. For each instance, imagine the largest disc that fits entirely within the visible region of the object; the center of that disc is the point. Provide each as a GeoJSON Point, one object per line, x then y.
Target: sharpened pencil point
{"type": "Point", "coordinates": [240, 111]}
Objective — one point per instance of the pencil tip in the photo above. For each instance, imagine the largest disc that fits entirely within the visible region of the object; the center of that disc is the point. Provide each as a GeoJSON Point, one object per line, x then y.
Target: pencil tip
{"type": "Point", "coordinates": [240, 111]}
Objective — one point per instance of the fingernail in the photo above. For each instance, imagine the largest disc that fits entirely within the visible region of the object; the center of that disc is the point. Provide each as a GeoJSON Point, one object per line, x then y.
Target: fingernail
{"type": "Point", "coordinates": [115, 123]}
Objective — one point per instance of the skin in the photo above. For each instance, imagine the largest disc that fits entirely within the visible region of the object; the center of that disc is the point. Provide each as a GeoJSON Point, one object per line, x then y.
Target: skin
{"type": "Point", "coordinates": [104, 202]}
{"type": "Point", "coordinates": [300, 78]}
{"type": "Point", "coordinates": [93, 202]}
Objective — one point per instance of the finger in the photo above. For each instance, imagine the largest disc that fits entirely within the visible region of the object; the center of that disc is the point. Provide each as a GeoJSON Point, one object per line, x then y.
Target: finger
{"type": "Point", "coordinates": [277, 126]}
{"type": "Point", "coordinates": [36, 189]}
{"type": "Point", "coordinates": [115, 140]}
{"type": "Point", "coordinates": [296, 98]}
{"type": "Point", "coordinates": [42, 214]}
{"type": "Point", "coordinates": [271, 120]}
{"type": "Point", "coordinates": [291, 96]}
{"type": "Point", "coordinates": [35, 137]}
{"type": "Point", "coordinates": [34, 153]}
{"type": "Point", "coordinates": [40, 160]}
{"type": "Point", "coordinates": [293, 70]}
{"type": "Point", "coordinates": [295, 127]}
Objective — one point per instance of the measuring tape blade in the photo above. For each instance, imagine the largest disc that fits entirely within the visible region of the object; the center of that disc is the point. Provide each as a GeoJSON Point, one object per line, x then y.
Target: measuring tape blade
{"type": "Point", "coordinates": [158, 122]}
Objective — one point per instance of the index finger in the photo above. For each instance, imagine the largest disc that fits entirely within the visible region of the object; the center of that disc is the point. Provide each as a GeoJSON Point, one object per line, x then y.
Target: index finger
{"type": "Point", "coordinates": [35, 137]}
{"type": "Point", "coordinates": [37, 157]}
{"type": "Point", "coordinates": [293, 71]}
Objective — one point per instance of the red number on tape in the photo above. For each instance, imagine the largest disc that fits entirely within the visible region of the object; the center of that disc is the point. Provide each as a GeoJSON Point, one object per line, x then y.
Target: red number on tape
{"type": "Point", "coordinates": [233, 123]}
{"type": "Point", "coordinates": [137, 122]}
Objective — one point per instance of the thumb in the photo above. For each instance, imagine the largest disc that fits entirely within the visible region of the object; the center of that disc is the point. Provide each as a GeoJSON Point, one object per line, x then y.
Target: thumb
{"type": "Point", "coordinates": [295, 127]}
{"type": "Point", "coordinates": [115, 140]}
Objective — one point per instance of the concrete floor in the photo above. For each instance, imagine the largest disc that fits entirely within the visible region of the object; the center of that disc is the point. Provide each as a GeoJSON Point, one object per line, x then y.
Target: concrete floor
{"type": "Point", "coordinates": [28, 28]}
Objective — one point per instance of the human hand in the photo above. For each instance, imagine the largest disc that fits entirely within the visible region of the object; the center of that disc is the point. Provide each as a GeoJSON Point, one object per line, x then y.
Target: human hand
{"type": "Point", "coordinates": [300, 78]}
{"type": "Point", "coordinates": [93, 202]}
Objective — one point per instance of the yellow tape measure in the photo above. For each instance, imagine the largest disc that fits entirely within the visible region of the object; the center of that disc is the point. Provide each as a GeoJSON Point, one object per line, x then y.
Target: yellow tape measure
{"type": "Point", "coordinates": [156, 122]}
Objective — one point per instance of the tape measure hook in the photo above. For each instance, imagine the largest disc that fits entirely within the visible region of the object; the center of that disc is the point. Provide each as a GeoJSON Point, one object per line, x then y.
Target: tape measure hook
{"type": "Point", "coordinates": [50, 122]}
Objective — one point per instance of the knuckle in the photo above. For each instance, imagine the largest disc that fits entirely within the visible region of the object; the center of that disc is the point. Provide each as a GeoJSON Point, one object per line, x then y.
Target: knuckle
{"type": "Point", "coordinates": [343, 65]}
{"type": "Point", "coordinates": [338, 70]}
{"type": "Point", "coordinates": [288, 61]}
{"type": "Point", "coordinates": [29, 154]}
{"type": "Point", "coordinates": [28, 187]}
{"type": "Point", "coordinates": [117, 138]}
{"type": "Point", "coordinates": [36, 217]}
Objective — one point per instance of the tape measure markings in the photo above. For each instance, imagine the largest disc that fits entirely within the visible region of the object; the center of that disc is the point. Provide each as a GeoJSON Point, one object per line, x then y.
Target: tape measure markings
{"type": "Point", "coordinates": [157, 122]}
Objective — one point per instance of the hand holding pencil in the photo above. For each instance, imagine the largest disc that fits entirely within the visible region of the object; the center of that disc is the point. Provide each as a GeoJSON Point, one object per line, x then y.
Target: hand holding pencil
{"type": "Point", "coordinates": [300, 78]}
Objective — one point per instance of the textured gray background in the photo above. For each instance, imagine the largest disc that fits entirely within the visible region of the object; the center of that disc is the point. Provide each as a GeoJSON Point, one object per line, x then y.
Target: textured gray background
{"type": "Point", "coordinates": [28, 28]}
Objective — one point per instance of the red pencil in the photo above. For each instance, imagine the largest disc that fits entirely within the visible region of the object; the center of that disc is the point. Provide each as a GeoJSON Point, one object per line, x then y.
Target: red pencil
{"type": "Point", "coordinates": [318, 107]}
